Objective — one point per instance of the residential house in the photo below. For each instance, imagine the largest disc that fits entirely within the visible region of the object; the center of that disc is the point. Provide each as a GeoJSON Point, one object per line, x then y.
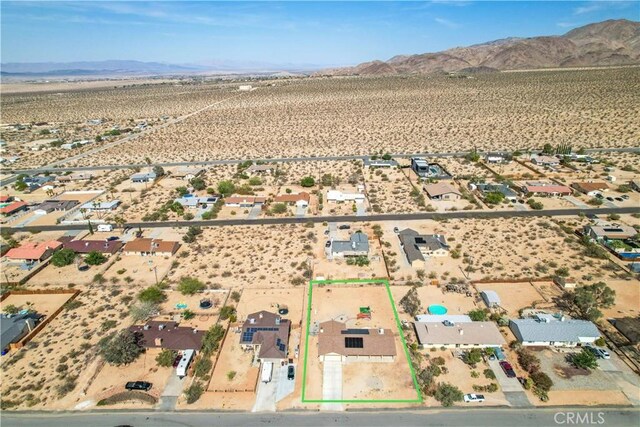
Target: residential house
{"type": "Point", "coordinates": [458, 335]}
{"type": "Point", "coordinates": [548, 331]}
{"type": "Point", "coordinates": [545, 161]}
{"type": "Point", "coordinates": [357, 245]}
{"type": "Point", "coordinates": [425, 169]}
{"type": "Point", "coordinates": [417, 248]}
{"type": "Point", "coordinates": [53, 205]}
{"type": "Point", "coordinates": [197, 202]}
{"type": "Point", "coordinates": [6, 198]}
{"type": "Point", "coordinates": [604, 231]}
{"type": "Point", "coordinates": [33, 252]}
{"type": "Point", "coordinates": [300, 199]}
{"type": "Point", "coordinates": [107, 247]}
{"type": "Point", "coordinates": [13, 207]}
{"type": "Point", "coordinates": [13, 328]}
{"type": "Point", "coordinates": [168, 335]}
{"type": "Point", "coordinates": [336, 342]}
{"type": "Point", "coordinates": [441, 191]}
{"type": "Point", "coordinates": [187, 173]}
{"type": "Point", "coordinates": [490, 298]}
{"type": "Point", "coordinates": [504, 189]}
{"type": "Point", "coordinates": [144, 177]}
{"type": "Point", "coordinates": [244, 201]}
{"type": "Point", "coordinates": [337, 196]}
{"type": "Point", "coordinates": [260, 169]}
{"type": "Point", "coordinates": [590, 188]}
{"type": "Point", "coordinates": [496, 157]}
{"type": "Point", "coordinates": [565, 282]}
{"type": "Point", "coordinates": [267, 334]}
{"type": "Point", "coordinates": [453, 318]}
{"type": "Point", "coordinates": [379, 163]}
{"type": "Point", "coordinates": [101, 206]}
{"type": "Point", "coordinates": [150, 247]}
{"type": "Point", "coordinates": [545, 189]}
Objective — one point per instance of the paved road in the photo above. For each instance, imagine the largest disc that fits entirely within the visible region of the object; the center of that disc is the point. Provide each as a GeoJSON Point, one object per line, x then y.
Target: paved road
{"type": "Point", "coordinates": [462, 416]}
{"type": "Point", "coordinates": [57, 166]}
{"type": "Point", "coordinates": [349, 218]}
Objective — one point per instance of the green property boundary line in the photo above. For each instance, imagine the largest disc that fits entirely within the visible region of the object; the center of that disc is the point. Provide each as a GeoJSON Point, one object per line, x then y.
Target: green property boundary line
{"type": "Point", "coordinates": [418, 399]}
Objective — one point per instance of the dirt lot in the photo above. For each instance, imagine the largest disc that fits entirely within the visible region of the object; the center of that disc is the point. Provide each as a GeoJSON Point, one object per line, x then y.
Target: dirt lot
{"type": "Point", "coordinates": [44, 304]}
{"type": "Point", "coordinates": [454, 302]}
{"type": "Point", "coordinates": [360, 380]}
{"type": "Point", "coordinates": [515, 296]}
{"type": "Point", "coordinates": [627, 297]}
{"type": "Point", "coordinates": [234, 359]}
{"type": "Point", "coordinates": [389, 190]}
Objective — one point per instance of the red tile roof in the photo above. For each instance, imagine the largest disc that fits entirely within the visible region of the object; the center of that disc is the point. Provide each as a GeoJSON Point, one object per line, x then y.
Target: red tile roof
{"type": "Point", "coordinates": [13, 207]}
{"type": "Point", "coordinates": [151, 245]}
{"type": "Point", "coordinates": [86, 246]}
{"type": "Point", "coordinates": [33, 250]}
{"type": "Point", "coordinates": [292, 198]}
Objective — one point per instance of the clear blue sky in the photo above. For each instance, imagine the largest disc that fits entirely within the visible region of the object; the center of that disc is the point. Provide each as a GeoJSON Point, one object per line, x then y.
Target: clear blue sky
{"type": "Point", "coordinates": [322, 33]}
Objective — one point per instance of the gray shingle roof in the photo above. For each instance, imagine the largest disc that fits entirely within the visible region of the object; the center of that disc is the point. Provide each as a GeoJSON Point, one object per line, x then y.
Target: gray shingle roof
{"type": "Point", "coordinates": [358, 242]}
{"type": "Point", "coordinates": [496, 188]}
{"type": "Point", "coordinates": [532, 330]}
{"type": "Point", "coordinates": [411, 242]}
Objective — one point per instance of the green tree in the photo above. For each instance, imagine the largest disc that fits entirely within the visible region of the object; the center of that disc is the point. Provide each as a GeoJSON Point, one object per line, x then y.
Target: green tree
{"type": "Point", "coordinates": [590, 299]}
{"type": "Point", "coordinates": [63, 257]}
{"type": "Point", "coordinates": [202, 367]}
{"type": "Point", "coordinates": [95, 258]}
{"type": "Point", "coordinates": [193, 392]}
{"type": "Point", "coordinates": [448, 394]}
{"type": "Point", "coordinates": [198, 183]}
{"type": "Point", "coordinates": [278, 208]}
{"type": "Point", "coordinates": [143, 311]}
{"type": "Point", "coordinates": [211, 340]}
{"type": "Point", "coordinates": [542, 381]}
{"type": "Point", "coordinates": [158, 170]}
{"type": "Point", "coordinates": [472, 356]}
{"type": "Point", "coordinates": [190, 286]}
{"type": "Point", "coordinates": [226, 188]}
{"type": "Point", "coordinates": [166, 357]}
{"type": "Point", "coordinates": [585, 360]}
{"type": "Point", "coordinates": [152, 294]}
{"type": "Point", "coordinates": [235, 296]}
{"type": "Point", "coordinates": [182, 191]}
{"type": "Point", "coordinates": [307, 181]}
{"type": "Point", "coordinates": [121, 348]}
{"type": "Point", "coordinates": [547, 149]}
{"type": "Point", "coordinates": [479, 315]}
{"type": "Point", "coordinates": [226, 312]}
{"type": "Point", "coordinates": [255, 180]}
{"type": "Point", "coordinates": [494, 198]}
{"type": "Point", "coordinates": [11, 309]}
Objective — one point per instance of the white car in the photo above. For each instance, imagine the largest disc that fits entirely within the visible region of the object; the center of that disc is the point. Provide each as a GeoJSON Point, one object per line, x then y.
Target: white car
{"type": "Point", "coordinates": [473, 398]}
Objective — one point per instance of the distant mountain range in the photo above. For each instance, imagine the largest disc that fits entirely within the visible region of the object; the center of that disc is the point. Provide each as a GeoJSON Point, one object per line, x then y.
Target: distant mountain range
{"type": "Point", "coordinates": [133, 68]}
{"type": "Point", "coordinates": [613, 42]}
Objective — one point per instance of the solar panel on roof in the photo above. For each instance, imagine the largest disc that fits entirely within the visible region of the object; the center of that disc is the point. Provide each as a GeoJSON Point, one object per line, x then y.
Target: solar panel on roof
{"type": "Point", "coordinates": [353, 342]}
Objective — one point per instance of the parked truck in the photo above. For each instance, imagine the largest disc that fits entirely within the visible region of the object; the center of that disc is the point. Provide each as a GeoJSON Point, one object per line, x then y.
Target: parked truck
{"type": "Point", "coordinates": [105, 227]}
{"type": "Point", "coordinates": [267, 371]}
{"type": "Point", "coordinates": [183, 365]}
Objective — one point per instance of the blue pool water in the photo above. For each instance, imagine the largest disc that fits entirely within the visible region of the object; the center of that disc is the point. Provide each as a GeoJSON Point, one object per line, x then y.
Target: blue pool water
{"type": "Point", "coordinates": [437, 309]}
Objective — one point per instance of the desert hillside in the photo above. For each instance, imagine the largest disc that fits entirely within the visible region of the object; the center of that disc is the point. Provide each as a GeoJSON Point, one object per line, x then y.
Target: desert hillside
{"type": "Point", "coordinates": [613, 42]}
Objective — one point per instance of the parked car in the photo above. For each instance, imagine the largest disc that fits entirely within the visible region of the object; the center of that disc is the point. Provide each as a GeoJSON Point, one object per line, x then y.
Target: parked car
{"type": "Point", "coordinates": [592, 216]}
{"type": "Point", "coordinates": [291, 372]}
{"type": "Point", "coordinates": [508, 369]}
{"type": "Point", "coordinates": [396, 230]}
{"type": "Point", "coordinates": [326, 232]}
{"type": "Point", "coordinates": [624, 197]}
{"type": "Point", "coordinates": [599, 196]}
{"type": "Point", "coordinates": [600, 353]}
{"type": "Point", "coordinates": [619, 199]}
{"type": "Point", "coordinates": [138, 385]}
{"type": "Point", "coordinates": [522, 380]}
{"type": "Point", "coordinates": [344, 227]}
{"type": "Point", "coordinates": [473, 398]}
{"type": "Point", "coordinates": [328, 244]}
{"type": "Point", "coordinates": [176, 361]}
{"type": "Point", "coordinates": [112, 238]}
{"type": "Point", "coordinates": [609, 198]}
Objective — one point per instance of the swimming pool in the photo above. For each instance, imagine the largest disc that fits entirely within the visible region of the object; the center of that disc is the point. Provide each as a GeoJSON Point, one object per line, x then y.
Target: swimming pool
{"type": "Point", "coordinates": [437, 309]}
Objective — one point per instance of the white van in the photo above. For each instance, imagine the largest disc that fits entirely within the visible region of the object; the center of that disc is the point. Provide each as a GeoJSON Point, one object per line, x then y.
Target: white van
{"type": "Point", "coordinates": [105, 227]}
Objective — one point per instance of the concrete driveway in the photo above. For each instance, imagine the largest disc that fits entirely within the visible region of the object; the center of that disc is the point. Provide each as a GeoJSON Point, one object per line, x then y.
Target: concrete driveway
{"type": "Point", "coordinates": [510, 386]}
{"type": "Point", "coordinates": [266, 394]}
{"type": "Point", "coordinates": [361, 210]}
{"type": "Point", "coordinates": [301, 211]}
{"type": "Point", "coordinates": [285, 385]}
{"type": "Point", "coordinates": [576, 202]}
{"type": "Point", "coordinates": [171, 392]}
{"type": "Point", "coordinates": [332, 384]}
{"type": "Point", "coordinates": [255, 212]}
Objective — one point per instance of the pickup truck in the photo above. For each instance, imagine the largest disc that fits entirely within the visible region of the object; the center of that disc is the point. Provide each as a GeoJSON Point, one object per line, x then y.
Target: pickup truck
{"type": "Point", "coordinates": [508, 369]}
{"type": "Point", "coordinates": [138, 385]}
{"type": "Point", "coordinates": [473, 398]}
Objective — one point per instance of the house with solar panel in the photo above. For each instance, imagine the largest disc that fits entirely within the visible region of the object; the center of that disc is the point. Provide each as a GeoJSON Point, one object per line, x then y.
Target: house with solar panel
{"type": "Point", "coordinates": [267, 334]}
{"type": "Point", "coordinates": [336, 342]}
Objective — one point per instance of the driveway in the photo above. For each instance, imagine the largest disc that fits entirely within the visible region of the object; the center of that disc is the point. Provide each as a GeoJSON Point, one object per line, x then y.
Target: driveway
{"type": "Point", "coordinates": [520, 207]}
{"type": "Point", "coordinates": [332, 384]}
{"type": "Point", "coordinates": [333, 230]}
{"type": "Point", "coordinates": [266, 395]}
{"type": "Point", "coordinates": [255, 212]}
{"type": "Point", "coordinates": [576, 202]}
{"type": "Point", "coordinates": [510, 386]}
{"type": "Point", "coordinates": [301, 211]}
{"type": "Point", "coordinates": [171, 392]}
{"type": "Point", "coordinates": [285, 385]}
{"type": "Point", "coordinates": [361, 209]}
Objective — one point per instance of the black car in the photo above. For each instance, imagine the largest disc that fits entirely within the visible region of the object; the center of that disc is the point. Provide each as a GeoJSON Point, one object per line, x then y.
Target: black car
{"type": "Point", "coordinates": [112, 238]}
{"type": "Point", "coordinates": [138, 385]}
{"type": "Point", "coordinates": [291, 372]}
{"type": "Point", "coordinates": [328, 244]}
{"type": "Point", "coordinates": [344, 227]}
{"type": "Point", "coordinates": [610, 199]}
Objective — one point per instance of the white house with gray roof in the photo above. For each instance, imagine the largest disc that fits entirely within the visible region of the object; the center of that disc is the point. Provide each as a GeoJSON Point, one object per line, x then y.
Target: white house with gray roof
{"type": "Point", "coordinates": [548, 331]}
{"type": "Point", "coordinates": [357, 245]}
